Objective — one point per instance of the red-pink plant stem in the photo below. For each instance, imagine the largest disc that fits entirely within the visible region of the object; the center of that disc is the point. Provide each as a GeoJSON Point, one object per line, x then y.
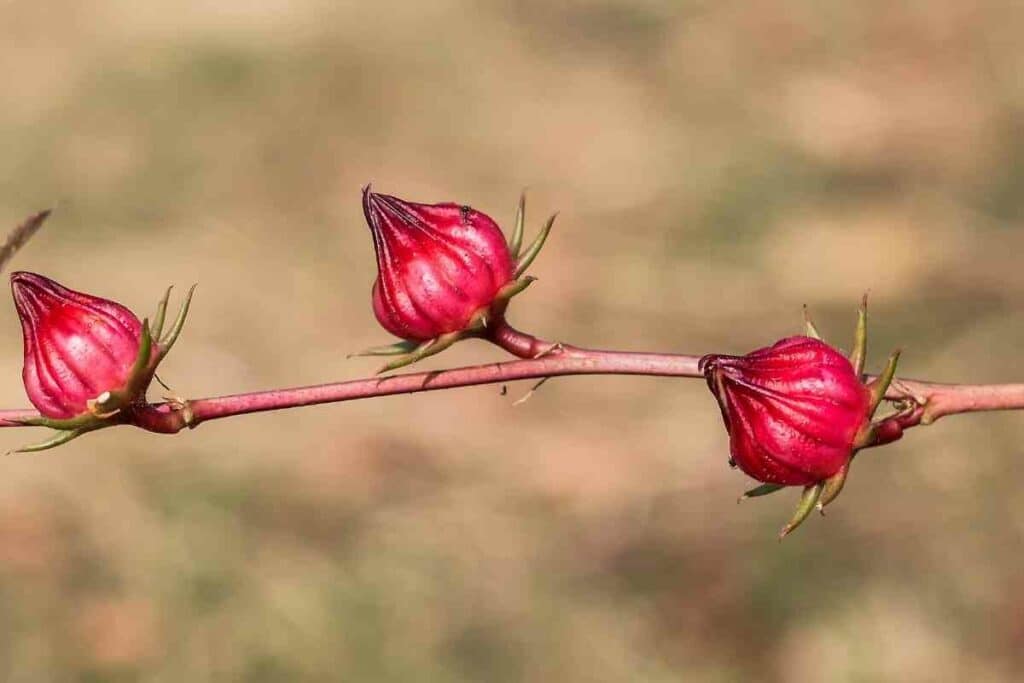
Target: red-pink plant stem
{"type": "Point", "coordinates": [940, 399]}
{"type": "Point", "coordinates": [540, 359]}
{"type": "Point", "coordinates": [937, 400]}
{"type": "Point", "coordinates": [161, 418]}
{"type": "Point", "coordinates": [950, 399]}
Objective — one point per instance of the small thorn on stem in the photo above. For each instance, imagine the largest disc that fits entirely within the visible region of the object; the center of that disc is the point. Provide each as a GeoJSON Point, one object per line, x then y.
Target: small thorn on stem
{"type": "Point", "coordinates": [184, 407]}
{"type": "Point", "coordinates": [531, 392]}
{"type": "Point", "coordinates": [908, 392]}
{"type": "Point", "coordinates": [554, 348]}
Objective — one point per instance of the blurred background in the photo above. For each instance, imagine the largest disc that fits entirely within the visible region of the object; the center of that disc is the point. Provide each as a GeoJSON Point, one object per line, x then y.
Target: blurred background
{"type": "Point", "coordinates": [716, 166]}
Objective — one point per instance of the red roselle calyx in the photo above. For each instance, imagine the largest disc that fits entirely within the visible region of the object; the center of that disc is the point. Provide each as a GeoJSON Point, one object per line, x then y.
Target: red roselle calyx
{"type": "Point", "coordinates": [445, 271]}
{"type": "Point", "coordinates": [798, 411]}
{"type": "Point", "coordinates": [87, 359]}
{"type": "Point", "coordinates": [792, 409]}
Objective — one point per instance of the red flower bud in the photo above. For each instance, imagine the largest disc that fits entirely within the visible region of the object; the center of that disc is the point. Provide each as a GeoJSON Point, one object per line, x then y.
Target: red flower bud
{"type": "Point", "coordinates": [439, 265]}
{"type": "Point", "coordinates": [77, 346]}
{"type": "Point", "coordinates": [793, 410]}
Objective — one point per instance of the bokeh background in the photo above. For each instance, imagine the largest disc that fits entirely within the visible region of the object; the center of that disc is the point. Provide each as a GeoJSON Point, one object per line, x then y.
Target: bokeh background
{"type": "Point", "coordinates": [716, 166]}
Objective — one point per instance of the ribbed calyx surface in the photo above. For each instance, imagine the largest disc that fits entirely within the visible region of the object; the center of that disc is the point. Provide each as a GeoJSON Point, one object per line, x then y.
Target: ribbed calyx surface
{"type": "Point", "coordinates": [77, 346]}
{"type": "Point", "coordinates": [792, 410]}
{"type": "Point", "coordinates": [438, 265]}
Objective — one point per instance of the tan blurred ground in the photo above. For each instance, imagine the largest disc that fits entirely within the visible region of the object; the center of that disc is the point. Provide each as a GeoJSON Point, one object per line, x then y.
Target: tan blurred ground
{"type": "Point", "coordinates": [716, 165]}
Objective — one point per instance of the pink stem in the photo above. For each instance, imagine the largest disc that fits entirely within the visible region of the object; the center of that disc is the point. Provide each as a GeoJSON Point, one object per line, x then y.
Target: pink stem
{"type": "Point", "coordinates": [539, 360]}
{"type": "Point", "coordinates": [552, 360]}
{"type": "Point", "coordinates": [950, 399]}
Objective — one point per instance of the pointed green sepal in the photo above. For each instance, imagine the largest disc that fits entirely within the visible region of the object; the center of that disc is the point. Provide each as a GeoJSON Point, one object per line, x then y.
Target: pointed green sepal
{"type": "Point", "coordinates": [808, 500]}
{"type": "Point", "coordinates": [141, 370]}
{"type": "Point", "coordinates": [397, 349]}
{"type": "Point", "coordinates": [758, 491]}
{"type": "Point", "coordinates": [515, 243]}
{"type": "Point", "coordinates": [161, 314]}
{"type": "Point", "coordinates": [833, 487]}
{"type": "Point", "coordinates": [167, 341]}
{"type": "Point", "coordinates": [424, 350]}
{"type": "Point", "coordinates": [865, 436]}
{"type": "Point", "coordinates": [860, 338]}
{"type": "Point", "coordinates": [58, 439]}
{"type": "Point", "coordinates": [83, 420]}
{"type": "Point", "coordinates": [535, 247]}
{"type": "Point", "coordinates": [881, 385]}
{"type": "Point", "coordinates": [809, 329]}
{"type": "Point", "coordinates": [513, 288]}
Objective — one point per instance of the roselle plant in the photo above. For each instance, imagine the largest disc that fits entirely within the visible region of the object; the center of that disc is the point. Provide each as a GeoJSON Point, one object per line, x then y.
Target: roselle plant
{"type": "Point", "coordinates": [797, 411]}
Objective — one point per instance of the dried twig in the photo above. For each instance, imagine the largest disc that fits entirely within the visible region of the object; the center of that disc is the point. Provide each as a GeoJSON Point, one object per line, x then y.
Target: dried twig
{"type": "Point", "coordinates": [20, 235]}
